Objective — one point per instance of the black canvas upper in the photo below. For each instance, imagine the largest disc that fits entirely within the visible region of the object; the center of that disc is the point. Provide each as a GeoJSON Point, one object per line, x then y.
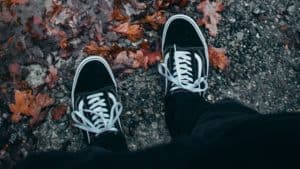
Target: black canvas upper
{"type": "Point", "coordinates": [93, 77]}
{"type": "Point", "coordinates": [182, 35]}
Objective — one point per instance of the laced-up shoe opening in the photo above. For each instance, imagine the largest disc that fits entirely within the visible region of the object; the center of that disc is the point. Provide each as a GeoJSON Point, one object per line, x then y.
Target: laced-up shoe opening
{"type": "Point", "coordinates": [185, 51]}
{"type": "Point", "coordinates": [183, 76]}
{"type": "Point", "coordinates": [94, 114]}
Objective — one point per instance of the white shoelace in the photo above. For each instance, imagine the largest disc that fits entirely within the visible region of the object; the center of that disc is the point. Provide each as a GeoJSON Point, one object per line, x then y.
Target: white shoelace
{"type": "Point", "coordinates": [182, 78]}
{"type": "Point", "coordinates": [102, 120]}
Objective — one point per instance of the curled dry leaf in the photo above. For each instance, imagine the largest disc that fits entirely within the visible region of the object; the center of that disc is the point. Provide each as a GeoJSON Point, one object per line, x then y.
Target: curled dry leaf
{"type": "Point", "coordinates": [133, 32]}
{"type": "Point", "coordinates": [63, 43]}
{"type": "Point", "coordinates": [217, 57]}
{"type": "Point", "coordinates": [59, 111]}
{"type": "Point", "coordinates": [27, 104]}
{"type": "Point", "coordinates": [93, 49]}
{"type": "Point", "coordinates": [156, 20]}
{"type": "Point", "coordinates": [52, 77]}
{"type": "Point", "coordinates": [211, 17]}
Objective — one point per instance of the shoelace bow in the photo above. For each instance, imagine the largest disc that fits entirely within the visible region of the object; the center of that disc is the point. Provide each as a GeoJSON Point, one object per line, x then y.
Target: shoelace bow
{"type": "Point", "coordinates": [101, 119]}
{"type": "Point", "coordinates": [183, 73]}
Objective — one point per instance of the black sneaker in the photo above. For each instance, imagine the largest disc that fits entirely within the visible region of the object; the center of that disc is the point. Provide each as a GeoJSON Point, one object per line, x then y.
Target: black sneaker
{"type": "Point", "coordinates": [95, 106]}
{"type": "Point", "coordinates": [186, 61]}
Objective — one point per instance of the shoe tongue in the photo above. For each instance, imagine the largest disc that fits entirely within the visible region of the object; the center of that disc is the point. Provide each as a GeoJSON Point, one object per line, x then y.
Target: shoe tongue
{"type": "Point", "coordinates": [83, 96]}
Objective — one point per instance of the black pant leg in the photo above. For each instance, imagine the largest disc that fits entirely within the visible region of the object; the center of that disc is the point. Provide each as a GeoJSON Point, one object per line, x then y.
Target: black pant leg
{"type": "Point", "coordinates": [228, 135]}
{"type": "Point", "coordinates": [220, 117]}
{"type": "Point", "coordinates": [182, 112]}
{"type": "Point", "coordinates": [112, 141]}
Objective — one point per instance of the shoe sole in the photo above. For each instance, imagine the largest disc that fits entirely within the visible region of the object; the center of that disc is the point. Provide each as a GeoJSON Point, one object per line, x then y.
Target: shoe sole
{"type": "Point", "coordinates": [196, 27]}
{"type": "Point", "coordinates": [82, 64]}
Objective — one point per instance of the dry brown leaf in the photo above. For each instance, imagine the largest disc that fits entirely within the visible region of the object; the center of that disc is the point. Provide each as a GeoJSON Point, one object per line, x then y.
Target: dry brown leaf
{"type": "Point", "coordinates": [123, 60]}
{"type": "Point", "coordinates": [137, 59]}
{"type": "Point", "coordinates": [52, 77]}
{"type": "Point", "coordinates": [133, 32]}
{"type": "Point", "coordinates": [63, 43]}
{"type": "Point", "coordinates": [15, 2]}
{"type": "Point", "coordinates": [27, 104]}
{"type": "Point", "coordinates": [211, 17]}
{"type": "Point", "coordinates": [217, 57]}
{"type": "Point", "coordinates": [118, 15]}
{"type": "Point", "coordinates": [152, 57]}
{"type": "Point", "coordinates": [156, 20]}
{"type": "Point", "coordinates": [59, 111]}
{"type": "Point", "coordinates": [93, 49]}
{"type": "Point", "coordinates": [161, 4]}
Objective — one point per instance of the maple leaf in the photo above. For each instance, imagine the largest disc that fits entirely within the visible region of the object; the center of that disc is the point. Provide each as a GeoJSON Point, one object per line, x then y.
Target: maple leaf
{"type": "Point", "coordinates": [217, 57]}
{"type": "Point", "coordinates": [156, 20]}
{"type": "Point", "coordinates": [211, 17]}
{"type": "Point", "coordinates": [133, 32]}
{"type": "Point", "coordinates": [59, 111]}
{"type": "Point", "coordinates": [23, 101]}
{"type": "Point", "coordinates": [27, 104]}
{"type": "Point", "coordinates": [93, 49]}
{"type": "Point", "coordinates": [52, 77]}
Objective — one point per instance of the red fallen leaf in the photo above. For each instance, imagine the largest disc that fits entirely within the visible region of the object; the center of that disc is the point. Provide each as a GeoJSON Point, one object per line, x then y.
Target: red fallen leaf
{"type": "Point", "coordinates": [118, 15]}
{"type": "Point", "coordinates": [52, 77]}
{"type": "Point", "coordinates": [56, 9]}
{"type": "Point", "coordinates": [217, 57]}
{"type": "Point", "coordinates": [15, 2]}
{"type": "Point", "coordinates": [161, 4]}
{"type": "Point", "coordinates": [183, 3]}
{"type": "Point", "coordinates": [93, 49]}
{"type": "Point", "coordinates": [14, 69]}
{"type": "Point", "coordinates": [63, 43]}
{"type": "Point", "coordinates": [27, 104]}
{"type": "Point", "coordinates": [152, 57]}
{"type": "Point", "coordinates": [137, 59]}
{"type": "Point", "coordinates": [133, 32]}
{"type": "Point", "coordinates": [123, 60]}
{"type": "Point", "coordinates": [59, 111]}
{"type": "Point", "coordinates": [156, 20]}
{"type": "Point", "coordinates": [211, 17]}
{"type": "Point", "coordinates": [55, 32]}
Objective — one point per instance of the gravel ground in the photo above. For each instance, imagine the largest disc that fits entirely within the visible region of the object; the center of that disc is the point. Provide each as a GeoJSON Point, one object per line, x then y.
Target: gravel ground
{"type": "Point", "coordinates": [262, 39]}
